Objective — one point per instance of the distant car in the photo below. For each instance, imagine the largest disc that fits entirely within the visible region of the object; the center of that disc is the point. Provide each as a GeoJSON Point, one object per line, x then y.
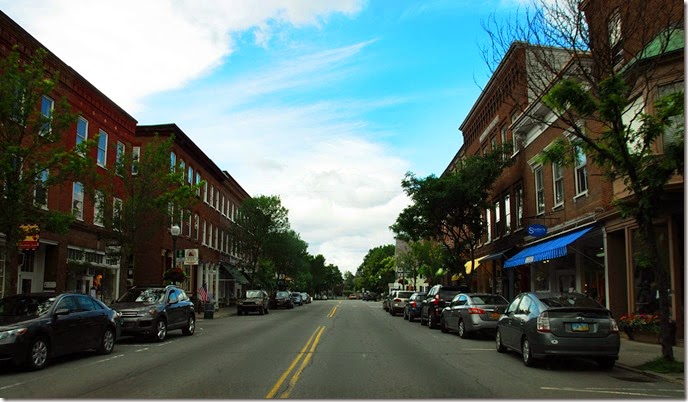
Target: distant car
{"type": "Point", "coordinates": [255, 300]}
{"type": "Point", "coordinates": [306, 298]}
{"type": "Point", "coordinates": [398, 303]}
{"type": "Point", "coordinates": [412, 307]}
{"type": "Point", "coordinates": [282, 299]}
{"type": "Point", "coordinates": [472, 312]}
{"type": "Point", "coordinates": [437, 298]}
{"type": "Point", "coordinates": [37, 327]}
{"type": "Point", "coordinates": [297, 298]}
{"type": "Point", "coordinates": [352, 296]}
{"type": "Point", "coordinates": [370, 296]}
{"type": "Point", "coordinates": [541, 325]}
{"type": "Point", "coordinates": [386, 300]}
{"type": "Point", "coordinates": [155, 310]}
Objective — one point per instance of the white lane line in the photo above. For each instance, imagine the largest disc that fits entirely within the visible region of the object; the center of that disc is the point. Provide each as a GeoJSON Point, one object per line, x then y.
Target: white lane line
{"type": "Point", "coordinates": [598, 391]}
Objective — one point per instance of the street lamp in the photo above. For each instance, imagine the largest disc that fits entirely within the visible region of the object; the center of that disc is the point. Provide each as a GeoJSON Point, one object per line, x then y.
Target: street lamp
{"type": "Point", "coordinates": [175, 231]}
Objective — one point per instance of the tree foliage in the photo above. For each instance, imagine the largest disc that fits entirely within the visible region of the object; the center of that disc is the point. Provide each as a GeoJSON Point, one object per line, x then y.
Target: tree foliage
{"type": "Point", "coordinates": [377, 269]}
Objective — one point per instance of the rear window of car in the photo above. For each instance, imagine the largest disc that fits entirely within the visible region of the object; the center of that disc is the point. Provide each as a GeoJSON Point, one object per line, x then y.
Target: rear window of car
{"type": "Point", "coordinates": [570, 301]}
{"type": "Point", "coordinates": [447, 294]}
{"type": "Point", "coordinates": [254, 293]}
{"type": "Point", "coordinates": [404, 295]}
{"type": "Point", "coordinates": [283, 294]}
{"type": "Point", "coordinates": [489, 299]}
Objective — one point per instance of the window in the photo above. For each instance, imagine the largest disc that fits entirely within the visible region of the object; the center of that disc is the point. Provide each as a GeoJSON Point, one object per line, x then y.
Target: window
{"type": "Point", "coordinates": [78, 201]}
{"type": "Point", "coordinates": [204, 232]}
{"type": "Point", "coordinates": [187, 225]}
{"type": "Point", "coordinates": [190, 176]}
{"type": "Point", "coordinates": [558, 178]}
{"type": "Point", "coordinates": [117, 213]}
{"type": "Point", "coordinates": [507, 214]}
{"type": "Point", "coordinates": [222, 204]}
{"type": "Point", "coordinates": [40, 192]}
{"type": "Point", "coordinates": [539, 190]}
{"type": "Point", "coordinates": [197, 221]}
{"type": "Point", "coordinates": [135, 157]}
{"type": "Point", "coordinates": [211, 195]}
{"type": "Point", "coordinates": [217, 198]}
{"type": "Point", "coordinates": [121, 150]}
{"type": "Point", "coordinates": [98, 213]}
{"type": "Point", "coordinates": [488, 225]}
{"type": "Point", "coordinates": [632, 118]}
{"type": "Point", "coordinates": [215, 243]}
{"type": "Point", "coordinates": [205, 192]}
{"type": "Point", "coordinates": [182, 168]}
{"type": "Point", "coordinates": [675, 131]}
{"type": "Point", "coordinates": [198, 180]}
{"type": "Point", "coordinates": [498, 220]}
{"type": "Point", "coordinates": [581, 171]}
{"type": "Point", "coordinates": [81, 130]}
{"type": "Point", "coordinates": [519, 207]}
{"type": "Point", "coordinates": [615, 38]}
{"type": "Point", "coordinates": [47, 106]}
{"type": "Point", "coordinates": [102, 148]}
{"type": "Point", "coordinates": [209, 240]}
{"type": "Point", "coordinates": [173, 161]}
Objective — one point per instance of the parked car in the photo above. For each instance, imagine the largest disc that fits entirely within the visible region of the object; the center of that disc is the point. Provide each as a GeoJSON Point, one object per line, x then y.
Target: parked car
{"type": "Point", "coordinates": [398, 304]}
{"type": "Point", "coordinates": [412, 308]}
{"type": "Point", "coordinates": [386, 300]}
{"type": "Point", "coordinates": [468, 313]}
{"type": "Point", "coordinates": [282, 299]}
{"type": "Point", "coordinates": [438, 297]}
{"type": "Point", "coordinates": [155, 310]}
{"type": "Point", "coordinates": [306, 298]}
{"type": "Point", "coordinates": [35, 328]}
{"type": "Point", "coordinates": [370, 296]}
{"type": "Point", "coordinates": [255, 300]}
{"type": "Point", "coordinates": [352, 296]}
{"type": "Point", "coordinates": [297, 298]}
{"type": "Point", "coordinates": [540, 325]}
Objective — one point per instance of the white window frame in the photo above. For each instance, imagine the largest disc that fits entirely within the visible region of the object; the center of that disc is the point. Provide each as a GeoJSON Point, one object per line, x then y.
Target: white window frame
{"type": "Point", "coordinates": [117, 205]}
{"type": "Point", "coordinates": [101, 160]}
{"type": "Point", "coordinates": [519, 207]}
{"type": "Point", "coordinates": [507, 213]}
{"type": "Point", "coordinates": [173, 162]}
{"type": "Point", "coordinates": [78, 200]}
{"type": "Point", "coordinates": [197, 224]}
{"type": "Point", "coordinates": [119, 159]}
{"type": "Point", "coordinates": [539, 177]}
{"type": "Point", "coordinates": [40, 185]}
{"type": "Point", "coordinates": [558, 184]}
{"type": "Point", "coordinates": [135, 158]}
{"type": "Point", "coordinates": [581, 171]}
{"type": "Point", "coordinates": [498, 219]}
{"type": "Point", "coordinates": [488, 225]}
{"type": "Point", "coordinates": [81, 137]}
{"type": "Point", "coordinates": [98, 203]}
{"type": "Point", "coordinates": [47, 108]}
{"type": "Point", "coordinates": [190, 175]}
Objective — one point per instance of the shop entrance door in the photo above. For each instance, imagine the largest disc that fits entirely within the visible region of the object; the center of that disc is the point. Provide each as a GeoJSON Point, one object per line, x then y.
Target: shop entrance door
{"type": "Point", "coordinates": [565, 281]}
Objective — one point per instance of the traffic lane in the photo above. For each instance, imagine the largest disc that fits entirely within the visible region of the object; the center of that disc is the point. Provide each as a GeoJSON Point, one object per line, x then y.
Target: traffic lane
{"type": "Point", "coordinates": [354, 360]}
{"type": "Point", "coordinates": [232, 357]}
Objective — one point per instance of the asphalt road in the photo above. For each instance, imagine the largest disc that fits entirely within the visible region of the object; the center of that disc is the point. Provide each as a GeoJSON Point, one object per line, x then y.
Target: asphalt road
{"type": "Point", "coordinates": [334, 349]}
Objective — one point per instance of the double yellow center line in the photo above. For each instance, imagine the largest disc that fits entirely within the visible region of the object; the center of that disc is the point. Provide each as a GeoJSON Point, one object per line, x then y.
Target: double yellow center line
{"type": "Point", "coordinates": [306, 355]}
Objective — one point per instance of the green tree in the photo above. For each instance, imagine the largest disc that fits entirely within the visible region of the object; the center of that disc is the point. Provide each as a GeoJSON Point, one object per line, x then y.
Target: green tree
{"type": "Point", "coordinates": [377, 270]}
{"type": "Point", "coordinates": [448, 209]}
{"type": "Point", "coordinates": [152, 196]}
{"type": "Point", "coordinates": [422, 258]}
{"type": "Point", "coordinates": [33, 152]}
{"type": "Point", "coordinates": [602, 107]}
{"type": "Point", "coordinates": [259, 218]}
{"type": "Point", "coordinates": [288, 253]}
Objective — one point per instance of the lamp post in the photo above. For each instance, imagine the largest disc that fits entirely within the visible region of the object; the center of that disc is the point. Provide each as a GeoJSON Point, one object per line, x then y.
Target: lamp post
{"type": "Point", "coordinates": [175, 231]}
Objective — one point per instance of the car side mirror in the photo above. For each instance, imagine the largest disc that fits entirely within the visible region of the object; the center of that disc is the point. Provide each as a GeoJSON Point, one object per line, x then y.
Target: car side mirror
{"type": "Point", "coordinates": [61, 311]}
{"type": "Point", "coordinates": [173, 300]}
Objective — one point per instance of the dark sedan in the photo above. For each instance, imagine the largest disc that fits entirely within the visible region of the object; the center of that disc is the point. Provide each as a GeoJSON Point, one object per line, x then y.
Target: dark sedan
{"type": "Point", "coordinates": [541, 325]}
{"type": "Point", "coordinates": [37, 327]}
{"type": "Point", "coordinates": [412, 308]}
{"type": "Point", "coordinates": [473, 312]}
{"type": "Point", "coordinates": [282, 299]}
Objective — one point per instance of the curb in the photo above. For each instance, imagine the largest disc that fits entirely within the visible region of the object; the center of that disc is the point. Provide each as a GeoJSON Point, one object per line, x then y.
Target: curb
{"type": "Point", "coordinates": [652, 374]}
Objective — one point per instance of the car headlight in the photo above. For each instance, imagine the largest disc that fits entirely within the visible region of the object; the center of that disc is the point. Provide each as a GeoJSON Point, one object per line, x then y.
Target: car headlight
{"type": "Point", "coordinates": [11, 335]}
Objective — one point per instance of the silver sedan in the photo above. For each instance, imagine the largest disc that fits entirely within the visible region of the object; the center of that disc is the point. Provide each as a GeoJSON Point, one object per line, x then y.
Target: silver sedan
{"type": "Point", "coordinates": [472, 312]}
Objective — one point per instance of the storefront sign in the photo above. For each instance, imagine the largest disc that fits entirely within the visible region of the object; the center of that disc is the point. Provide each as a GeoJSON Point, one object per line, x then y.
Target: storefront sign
{"type": "Point", "coordinates": [537, 230]}
{"type": "Point", "coordinates": [30, 241]}
{"type": "Point", "coordinates": [191, 256]}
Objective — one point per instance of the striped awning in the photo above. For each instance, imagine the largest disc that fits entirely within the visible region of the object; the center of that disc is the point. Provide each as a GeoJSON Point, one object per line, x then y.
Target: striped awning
{"type": "Point", "coordinates": [546, 250]}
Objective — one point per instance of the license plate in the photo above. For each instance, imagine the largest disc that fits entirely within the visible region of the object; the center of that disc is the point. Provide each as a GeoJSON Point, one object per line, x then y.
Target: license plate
{"type": "Point", "coordinates": [580, 327]}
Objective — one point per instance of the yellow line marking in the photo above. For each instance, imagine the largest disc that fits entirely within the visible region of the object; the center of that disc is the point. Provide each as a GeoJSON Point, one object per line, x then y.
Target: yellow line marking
{"type": "Point", "coordinates": [305, 361]}
{"type": "Point", "coordinates": [274, 389]}
{"type": "Point", "coordinates": [332, 313]}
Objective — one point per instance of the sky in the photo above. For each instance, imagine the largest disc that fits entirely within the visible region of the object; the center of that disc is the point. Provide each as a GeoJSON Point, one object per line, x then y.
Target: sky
{"type": "Point", "coordinates": [324, 103]}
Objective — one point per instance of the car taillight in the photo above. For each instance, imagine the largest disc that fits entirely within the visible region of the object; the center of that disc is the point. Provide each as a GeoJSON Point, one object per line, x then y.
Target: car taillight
{"type": "Point", "coordinates": [413, 304]}
{"type": "Point", "coordinates": [436, 300]}
{"type": "Point", "coordinates": [543, 323]}
{"type": "Point", "coordinates": [475, 310]}
{"type": "Point", "coordinates": [613, 326]}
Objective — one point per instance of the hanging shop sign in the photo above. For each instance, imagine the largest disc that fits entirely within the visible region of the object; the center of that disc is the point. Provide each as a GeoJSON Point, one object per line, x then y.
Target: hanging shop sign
{"type": "Point", "coordinates": [191, 256]}
{"type": "Point", "coordinates": [30, 240]}
{"type": "Point", "coordinates": [537, 230]}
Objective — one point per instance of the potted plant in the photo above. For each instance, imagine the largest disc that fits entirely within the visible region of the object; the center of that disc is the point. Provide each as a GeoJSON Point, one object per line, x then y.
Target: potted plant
{"type": "Point", "coordinates": [635, 325]}
{"type": "Point", "coordinates": [174, 275]}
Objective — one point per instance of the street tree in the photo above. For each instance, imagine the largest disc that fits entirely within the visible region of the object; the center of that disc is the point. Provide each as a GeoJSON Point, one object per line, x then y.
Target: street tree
{"type": "Point", "coordinates": [604, 104]}
{"type": "Point", "coordinates": [258, 219]}
{"type": "Point", "coordinates": [422, 258]}
{"type": "Point", "coordinates": [448, 209]}
{"type": "Point", "coordinates": [377, 270]}
{"type": "Point", "coordinates": [287, 252]}
{"type": "Point", "coordinates": [142, 196]}
{"type": "Point", "coordinates": [34, 156]}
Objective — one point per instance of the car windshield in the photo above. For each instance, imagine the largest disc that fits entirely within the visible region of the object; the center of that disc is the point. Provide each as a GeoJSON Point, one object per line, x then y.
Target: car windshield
{"type": "Point", "coordinates": [29, 306]}
{"type": "Point", "coordinates": [143, 295]}
{"type": "Point", "coordinates": [489, 299]}
{"type": "Point", "coordinates": [570, 300]}
{"type": "Point", "coordinates": [404, 295]}
{"type": "Point", "coordinates": [296, 294]}
{"type": "Point", "coordinates": [282, 294]}
{"type": "Point", "coordinates": [254, 293]}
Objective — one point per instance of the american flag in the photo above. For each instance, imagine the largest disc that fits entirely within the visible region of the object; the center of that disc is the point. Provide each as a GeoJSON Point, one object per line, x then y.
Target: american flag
{"type": "Point", "coordinates": [203, 293]}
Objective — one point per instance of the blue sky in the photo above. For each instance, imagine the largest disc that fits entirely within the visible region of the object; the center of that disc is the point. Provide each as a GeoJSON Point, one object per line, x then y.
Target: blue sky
{"type": "Point", "coordinates": [326, 104]}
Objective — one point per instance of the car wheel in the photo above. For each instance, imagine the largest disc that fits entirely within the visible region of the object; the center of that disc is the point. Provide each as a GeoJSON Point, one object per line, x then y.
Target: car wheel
{"type": "Point", "coordinates": [405, 315]}
{"type": "Point", "coordinates": [422, 321]}
{"type": "Point", "coordinates": [262, 311]}
{"type": "Point", "coordinates": [190, 326]}
{"type": "Point", "coordinates": [606, 363]}
{"type": "Point", "coordinates": [107, 342]}
{"type": "Point", "coordinates": [527, 353]}
{"type": "Point", "coordinates": [443, 325]}
{"type": "Point", "coordinates": [462, 330]}
{"type": "Point", "coordinates": [38, 354]}
{"type": "Point", "coordinates": [498, 342]}
{"type": "Point", "coordinates": [410, 317]}
{"type": "Point", "coordinates": [431, 321]}
{"type": "Point", "coordinates": [267, 310]}
{"type": "Point", "coordinates": [160, 330]}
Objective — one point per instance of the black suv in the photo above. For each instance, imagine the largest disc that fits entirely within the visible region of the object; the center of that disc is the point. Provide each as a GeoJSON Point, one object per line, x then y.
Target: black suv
{"type": "Point", "coordinates": [437, 298]}
{"type": "Point", "coordinates": [154, 310]}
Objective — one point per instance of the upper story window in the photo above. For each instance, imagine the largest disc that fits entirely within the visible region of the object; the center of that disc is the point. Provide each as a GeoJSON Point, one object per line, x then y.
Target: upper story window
{"type": "Point", "coordinates": [498, 219]}
{"type": "Point", "coordinates": [198, 180]}
{"type": "Point", "coordinates": [121, 150]}
{"type": "Point", "coordinates": [558, 183]}
{"type": "Point", "coordinates": [81, 130]}
{"type": "Point", "coordinates": [135, 157]}
{"type": "Point", "coordinates": [47, 106]}
{"type": "Point", "coordinates": [98, 208]}
{"type": "Point", "coordinates": [197, 221]}
{"type": "Point", "coordinates": [676, 130]}
{"type": "Point", "coordinates": [190, 176]}
{"type": "Point", "coordinates": [173, 162]}
{"type": "Point", "coordinates": [205, 192]}
{"type": "Point", "coordinates": [78, 201]}
{"type": "Point", "coordinates": [117, 206]}
{"type": "Point", "coordinates": [539, 190]}
{"type": "Point", "coordinates": [581, 171]}
{"type": "Point", "coordinates": [40, 193]}
{"type": "Point", "coordinates": [507, 213]}
{"type": "Point", "coordinates": [519, 206]}
{"type": "Point", "coordinates": [615, 38]}
{"type": "Point", "coordinates": [488, 225]}
{"type": "Point", "coordinates": [102, 148]}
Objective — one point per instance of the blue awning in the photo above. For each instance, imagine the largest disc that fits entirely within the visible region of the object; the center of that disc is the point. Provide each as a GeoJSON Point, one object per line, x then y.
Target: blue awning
{"type": "Point", "coordinates": [547, 250]}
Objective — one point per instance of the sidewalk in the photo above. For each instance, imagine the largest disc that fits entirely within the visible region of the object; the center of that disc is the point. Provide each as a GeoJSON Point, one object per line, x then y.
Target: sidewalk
{"type": "Point", "coordinates": [631, 355]}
